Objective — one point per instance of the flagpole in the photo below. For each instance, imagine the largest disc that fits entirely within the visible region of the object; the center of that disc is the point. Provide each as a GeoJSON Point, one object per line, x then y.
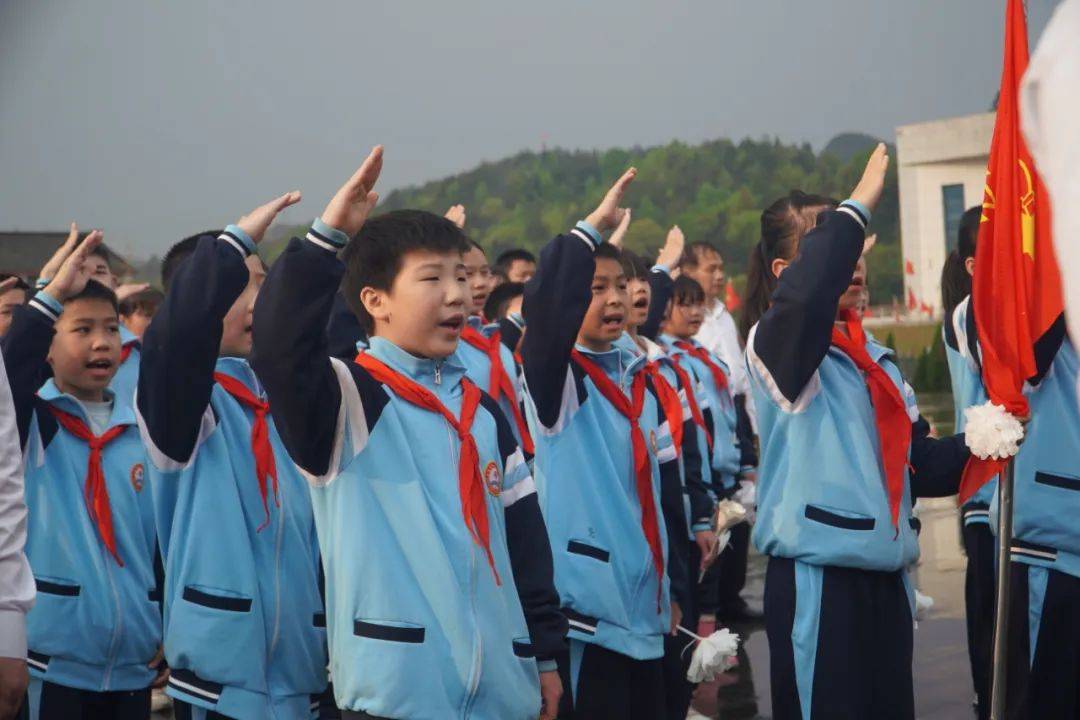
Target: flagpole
{"type": "Point", "coordinates": [1001, 613]}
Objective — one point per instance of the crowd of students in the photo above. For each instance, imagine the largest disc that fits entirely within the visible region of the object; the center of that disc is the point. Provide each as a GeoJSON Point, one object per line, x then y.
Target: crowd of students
{"type": "Point", "coordinates": [385, 478]}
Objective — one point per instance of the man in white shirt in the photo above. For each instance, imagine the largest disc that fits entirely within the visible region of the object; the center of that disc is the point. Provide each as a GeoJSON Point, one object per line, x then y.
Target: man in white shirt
{"type": "Point", "coordinates": [16, 582]}
{"type": "Point", "coordinates": [718, 334]}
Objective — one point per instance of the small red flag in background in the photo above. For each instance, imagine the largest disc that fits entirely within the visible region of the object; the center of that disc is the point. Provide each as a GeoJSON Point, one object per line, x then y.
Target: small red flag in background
{"type": "Point", "coordinates": [909, 267]}
{"type": "Point", "coordinates": [1016, 291]}
{"type": "Point", "coordinates": [912, 303]}
{"type": "Point", "coordinates": [731, 298]}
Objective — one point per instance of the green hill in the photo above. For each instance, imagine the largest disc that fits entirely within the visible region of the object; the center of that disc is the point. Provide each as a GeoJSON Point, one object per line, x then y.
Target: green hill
{"type": "Point", "coordinates": [714, 191]}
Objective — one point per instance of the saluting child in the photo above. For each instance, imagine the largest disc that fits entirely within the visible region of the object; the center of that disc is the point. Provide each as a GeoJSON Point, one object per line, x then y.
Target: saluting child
{"type": "Point", "coordinates": [844, 452]}
{"type": "Point", "coordinates": [607, 474]}
{"type": "Point", "coordinates": [244, 625]}
{"type": "Point", "coordinates": [439, 591]}
{"type": "Point", "coordinates": [94, 632]}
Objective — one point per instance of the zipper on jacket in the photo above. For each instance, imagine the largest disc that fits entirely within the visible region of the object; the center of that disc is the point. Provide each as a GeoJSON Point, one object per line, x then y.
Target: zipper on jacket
{"type": "Point", "coordinates": [118, 630]}
{"type": "Point", "coordinates": [438, 372]}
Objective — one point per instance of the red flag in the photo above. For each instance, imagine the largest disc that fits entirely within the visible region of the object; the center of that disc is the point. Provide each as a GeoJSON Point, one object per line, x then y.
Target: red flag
{"type": "Point", "coordinates": [909, 268]}
{"type": "Point", "coordinates": [731, 298]}
{"type": "Point", "coordinates": [925, 309]}
{"type": "Point", "coordinates": [912, 303]}
{"type": "Point", "coordinates": [1016, 292]}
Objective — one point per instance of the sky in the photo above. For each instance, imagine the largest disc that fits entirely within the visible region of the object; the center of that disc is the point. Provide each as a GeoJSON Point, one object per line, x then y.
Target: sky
{"type": "Point", "coordinates": [154, 120]}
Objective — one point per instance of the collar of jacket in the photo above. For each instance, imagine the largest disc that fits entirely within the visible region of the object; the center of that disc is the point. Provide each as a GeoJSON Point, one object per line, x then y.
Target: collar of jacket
{"type": "Point", "coordinates": [431, 373]}
{"type": "Point", "coordinates": [122, 413]}
{"type": "Point", "coordinates": [618, 363]}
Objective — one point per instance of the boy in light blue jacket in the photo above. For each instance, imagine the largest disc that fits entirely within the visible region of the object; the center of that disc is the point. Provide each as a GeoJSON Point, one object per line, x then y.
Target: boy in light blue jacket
{"type": "Point", "coordinates": [95, 630]}
{"type": "Point", "coordinates": [439, 593]}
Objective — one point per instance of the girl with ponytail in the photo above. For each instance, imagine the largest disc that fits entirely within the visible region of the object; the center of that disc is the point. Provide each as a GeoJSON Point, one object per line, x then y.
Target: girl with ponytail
{"type": "Point", "coordinates": [844, 452]}
{"type": "Point", "coordinates": [958, 329]}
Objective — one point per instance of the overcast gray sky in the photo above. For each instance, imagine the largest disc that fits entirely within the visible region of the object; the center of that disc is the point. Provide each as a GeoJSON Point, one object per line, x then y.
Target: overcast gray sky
{"type": "Point", "coordinates": [154, 119]}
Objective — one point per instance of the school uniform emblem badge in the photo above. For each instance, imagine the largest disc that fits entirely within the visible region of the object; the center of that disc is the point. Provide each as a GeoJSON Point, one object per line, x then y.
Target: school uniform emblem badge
{"type": "Point", "coordinates": [137, 471]}
{"type": "Point", "coordinates": [493, 479]}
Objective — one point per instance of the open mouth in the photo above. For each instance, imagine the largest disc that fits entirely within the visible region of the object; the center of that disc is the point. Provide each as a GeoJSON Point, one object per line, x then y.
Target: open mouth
{"type": "Point", "coordinates": [100, 365]}
{"type": "Point", "coordinates": [612, 321]}
{"type": "Point", "coordinates": [454, 323]}
{"type": "Point", "coordinates": [858, 282]}
{"type": "Point", "coordinates": [641, 304]}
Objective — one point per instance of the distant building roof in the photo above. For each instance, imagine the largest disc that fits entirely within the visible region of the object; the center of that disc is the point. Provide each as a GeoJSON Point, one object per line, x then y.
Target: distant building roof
{"type": "Point", "coordinates": [23, 253]}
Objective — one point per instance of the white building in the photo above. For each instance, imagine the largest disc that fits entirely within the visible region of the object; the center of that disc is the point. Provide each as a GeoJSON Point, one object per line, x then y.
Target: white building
{"type": "Point", "coordinates": [942, 171]}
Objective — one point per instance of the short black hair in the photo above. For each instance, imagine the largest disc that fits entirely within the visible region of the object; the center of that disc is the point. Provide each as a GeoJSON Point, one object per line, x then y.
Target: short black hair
{"type": "Point", "coordinates": [692, 253]}
{"type": "Point", "coordinates": [634, 266]}
{"type": "Point", "coordinates": [506, 259]}
{"type": "Point", "coordinates": [180, 252]}
{"type": "Point", "coordinates": [373, 258]}
{"type": "Point", "coordinates": [499, 299]}
{"type": "Point", "coordinates": [609, 252]}
{"type": "Point", "coordinates": [103, 252]}
{"type": "Point", "coordinates": [145, 301]}
{"type": "Point", "coordinates": [20, 284]}
{"type": "Point", "coordinates": [687, 291]}
{"type": "Point", "coordinates": [96, 291]}
{"type": "Point", "coordinates": [478, 246]}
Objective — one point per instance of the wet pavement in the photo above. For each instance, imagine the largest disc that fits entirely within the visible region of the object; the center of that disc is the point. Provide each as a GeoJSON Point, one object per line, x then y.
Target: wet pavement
{"type": "Point", "coordinates": [943, 689]}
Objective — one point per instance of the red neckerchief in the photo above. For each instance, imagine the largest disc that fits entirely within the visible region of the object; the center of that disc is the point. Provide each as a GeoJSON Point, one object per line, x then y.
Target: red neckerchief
{"type": "Point", "coordinates": [691, 398]}
{"type": "Point", "coordinates": [470, 484]}
{"type": "Point", "coordinates": [125, 351]}
{"type": "Point", "coordinates": [498, 381]}
{"type": "Point", "coordinates": [631, 409]}
{"type": "Point", "coordinates": [95, 493]}
{"type": "Point", "coordinates": [719, 378]}
{"type": "Point", "coordinates": [669, 401]}
{"type": "Point", "coordinates": [890, 411]}
{"type": "Point", "coordinates": [265, 466]}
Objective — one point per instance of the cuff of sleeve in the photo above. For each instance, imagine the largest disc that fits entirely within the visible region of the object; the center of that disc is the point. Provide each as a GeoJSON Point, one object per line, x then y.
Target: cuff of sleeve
{"type": "Point", "coordinates": [322, 234]}
{"type": "Point", "coordinates": [239, 239]}
{"type": "Point", "coordinates": [662, 268]}
{"type": "Point", "coordinates": [861, 212]}
{"type": "Point", "coordinates": [40, 283]}
{"type": "Point", "coordinates": [517, 320]}
{"type": "Point", "coordinates": [589, 233]}
{"type": "Point", "coordinates": [747, 468]}
{"type": "Point", "coordinates": [47, 305]}
{"type": "Point", "coordinates": [13, 634]}
{"type": "Point", "coordinates": [546, 665]}
{"type": "Point", "coordinates": [701, 526]}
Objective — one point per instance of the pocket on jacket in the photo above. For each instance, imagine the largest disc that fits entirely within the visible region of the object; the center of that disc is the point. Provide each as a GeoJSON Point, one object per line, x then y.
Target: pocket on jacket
{"type": "Point", "coordinates": [1065, 482]}
{"type": "Point", "coordinates": [577, 547]}
{"type": "Point", "coordinates": [395, 631]}
{"type": "Point", "coordinates": [216, 599]}
{"type": "Point", "coordinates": [835, 517]}
{"type": "Point", "coordinates": [57, 586]}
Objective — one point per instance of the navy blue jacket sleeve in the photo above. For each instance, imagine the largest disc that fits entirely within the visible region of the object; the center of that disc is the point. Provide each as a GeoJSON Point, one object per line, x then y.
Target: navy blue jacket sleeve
{"type": "Point", "coordinates": [694, 459]}
{"type": "Point", "coordinates": [291, 354]}
{"type": "Point", "coordinates": [26, 347]}
{"type": "Point", "coordinates": [938, 462]}
{"type": "Point", "coordinates": [343, 330]}
{"type": "Point", "coordinates": [794, 334]}
{"type": "Point", "coordinates": [556, 300]}
{"type": "Point", "coordinates": [671, 505]}
{"type": "Point", "coordinates": [660, 287]}
{"type": "Point", "coordinates": [744, 432]}
{"type": "Point", "coordinates": [510, 333]}
{"type": "Point", "coordinates": [528, 546]}
{"type": "Point", "coordinates": [181, 345]}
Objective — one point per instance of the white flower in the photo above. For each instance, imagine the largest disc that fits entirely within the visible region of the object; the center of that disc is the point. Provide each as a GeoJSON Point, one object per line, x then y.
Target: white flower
{"type": "Point", "coordinates": [713, 655]}
{"type": "Point", "coordinates": [991, 432]}
{"type": "Point", "coordinates": [728, 514]}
